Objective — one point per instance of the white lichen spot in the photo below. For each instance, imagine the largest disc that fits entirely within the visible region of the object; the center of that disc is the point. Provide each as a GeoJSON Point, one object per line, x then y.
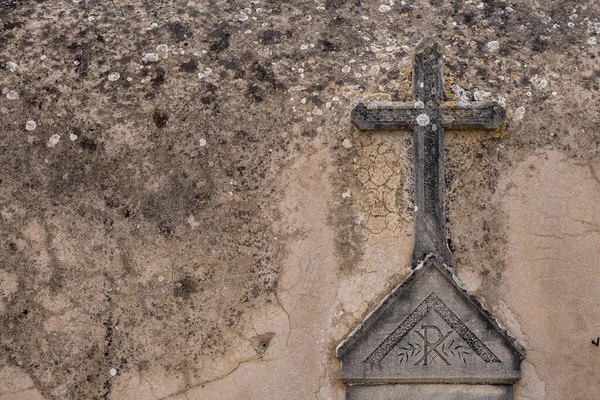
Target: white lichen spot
{"type": "Point", "coordinates": [114, 76]}
{"type": "Point", "coordinates": [419, 104]}
{"type": "Point", "coordinates": [53, 141]}
{"type": "Point", "coordinates": [303, 100]}
{"type": "Point", "coordinates": [202, 142]}
{"type": "Point", "coordinates": [593, 27]}
{"type": "Point", "coordinates": [421, 85]}
{"type": "Point", "coordinates": [193, 223]}
{"type": "Point", "coordinates": [529, 94]}
{"type": "Point", "coordinates": [303, 47]}
{"type": "Point", "coordinates": [346, 69]}
{"type": "Point", "coordinates": [30, 125]}
{"type": "Point", "coordinates": [200, 75]}
{"type": "Point", "coordinates": [43, 57]}
{"type": "Point", "coordinates": [519, 113]}
{"type": "Point", "coordinates": [242, 16]}
{"type": "Point", "coordinates": [570, 24]}
{"type": "Point", "coordinates": [112, 372]}
{"type": "Point", "coordinates": [493, 45]}
{"type": "Point", "coordinates": [481, 95]}
{"type": "Point", "coordinates": [554, 93]}
{"type": "Point", "coordinates": [460, 93]}
{"type": "Point", "coordinates": [423, 119]}
{"type": "Point", "coordinates": [539, 82]}
{"type": "Point", "coordinates": [72, 136]}
{"type": "Point", "coordinates": [592, 41]}
{"type": "Point", "coordinates": [346, 194]}
{"type": "Point", "coordinates": [347, 143]}
{"type": "Point", "coordinates": [12, 95]}
{"type": "Point", "coordinates": [91, 18]}
{"type": "Point", "coordinates": [150, 57]}
{"type": "Point", "coordinates": [11, 66]}
{"type": "Point", "coordinates": [385, 8]}
{"type": "Point", "coordinates": [162, 51]}
{"type": "Point", "coordinates": [208, 71]}
{"type": "Point", "coordinates": [328, 105]}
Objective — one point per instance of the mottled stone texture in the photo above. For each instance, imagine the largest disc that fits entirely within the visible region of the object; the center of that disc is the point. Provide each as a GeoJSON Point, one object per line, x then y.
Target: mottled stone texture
{"type": "Point", "coordinates": [231, 270]}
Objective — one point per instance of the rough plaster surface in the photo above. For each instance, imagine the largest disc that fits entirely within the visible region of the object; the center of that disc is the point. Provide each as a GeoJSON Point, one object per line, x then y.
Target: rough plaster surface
{"type": "Point", "coordinates": [552, 276]}
{"type": "Point", "coordinates": [211, 226]}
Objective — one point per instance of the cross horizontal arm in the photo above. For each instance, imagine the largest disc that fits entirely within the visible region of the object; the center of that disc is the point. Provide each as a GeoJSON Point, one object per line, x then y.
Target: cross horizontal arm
{"type": "Point", "coordinates": [385, 115]}
{"type": "Point", "coordinates": [472, 114]}
{"type": "Point", "coordinates": [403, 114]}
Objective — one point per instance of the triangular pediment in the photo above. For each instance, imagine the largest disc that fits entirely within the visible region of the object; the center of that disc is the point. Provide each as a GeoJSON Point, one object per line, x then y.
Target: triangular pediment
{"type": "Point", "coordinates": [430, 329]}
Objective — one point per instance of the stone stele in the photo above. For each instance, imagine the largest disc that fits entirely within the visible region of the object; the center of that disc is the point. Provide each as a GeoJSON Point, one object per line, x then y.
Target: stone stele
{"type": "Point", "coordinates": [430, 339]}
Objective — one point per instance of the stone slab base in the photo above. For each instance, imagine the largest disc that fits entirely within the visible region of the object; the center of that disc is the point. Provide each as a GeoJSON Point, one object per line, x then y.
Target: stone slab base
{"type": "Point", "coordinates": [429, 392]}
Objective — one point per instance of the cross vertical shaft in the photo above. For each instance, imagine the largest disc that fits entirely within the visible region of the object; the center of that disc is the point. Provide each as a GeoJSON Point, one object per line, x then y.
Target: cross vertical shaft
{"type": "Point", "coordinates": [430, 226]}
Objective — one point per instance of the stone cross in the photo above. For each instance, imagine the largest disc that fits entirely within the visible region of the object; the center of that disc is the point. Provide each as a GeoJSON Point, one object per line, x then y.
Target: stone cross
{"type": "Point", "coordinates": [428, 115]}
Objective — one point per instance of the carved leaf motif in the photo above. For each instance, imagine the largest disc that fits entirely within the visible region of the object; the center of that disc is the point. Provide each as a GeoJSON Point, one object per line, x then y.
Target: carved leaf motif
{"type": "Point", "coordinates": [455, 349]}
{"type": "Point", "coordinates": [408, 351]}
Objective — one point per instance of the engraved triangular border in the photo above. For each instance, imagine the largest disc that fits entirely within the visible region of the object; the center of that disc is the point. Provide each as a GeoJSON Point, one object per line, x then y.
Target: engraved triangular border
{"type": "Point", "coordinates": [430, 261]}
{"type": "Point", "coordinates": [432, 302]}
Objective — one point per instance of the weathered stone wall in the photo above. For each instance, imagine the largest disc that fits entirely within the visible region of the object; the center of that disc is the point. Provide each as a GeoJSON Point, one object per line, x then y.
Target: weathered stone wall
{"type": "Point", "coordinates": [192, 215]}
